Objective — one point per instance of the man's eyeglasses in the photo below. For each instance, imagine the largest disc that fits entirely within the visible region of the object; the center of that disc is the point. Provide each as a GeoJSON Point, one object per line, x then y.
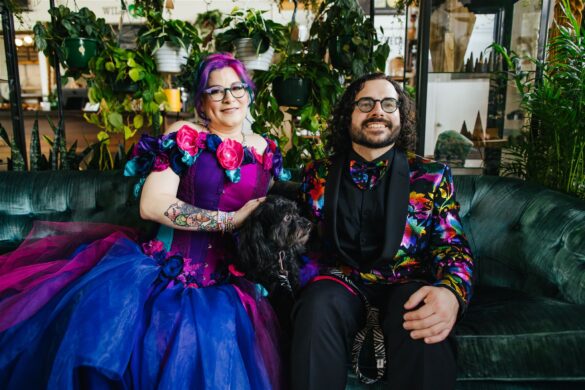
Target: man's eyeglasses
{"type": "Point", "coordinates": [367, 104]}
{"type": "Point", "coordinates": [217, 94]}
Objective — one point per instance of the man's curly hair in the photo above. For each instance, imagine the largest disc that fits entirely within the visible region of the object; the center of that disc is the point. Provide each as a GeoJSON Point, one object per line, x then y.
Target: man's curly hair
{"type": "Point", "coordinates": [339, 139]}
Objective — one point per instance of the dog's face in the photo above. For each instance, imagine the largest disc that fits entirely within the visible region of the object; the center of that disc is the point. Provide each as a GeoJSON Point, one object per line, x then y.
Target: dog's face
{"type": "Point", "coordinates": [274, 229]}
{"type": "Point", "coordinates": [282, 225]}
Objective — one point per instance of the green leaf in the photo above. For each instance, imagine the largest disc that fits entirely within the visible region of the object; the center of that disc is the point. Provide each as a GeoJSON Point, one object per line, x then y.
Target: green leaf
{"type": "Point", "coordinates": [160, 97]}
{"type": "Point", "coordinates": [128, 133]}
{"type": "Point", "coordinates": [136, 74]}
{"type": "Point", "coordinates": [35, 146]}
{"type": "Point", "coordinates": [116, 120]}
{"type": "Point", "coordinates": [138, 121]}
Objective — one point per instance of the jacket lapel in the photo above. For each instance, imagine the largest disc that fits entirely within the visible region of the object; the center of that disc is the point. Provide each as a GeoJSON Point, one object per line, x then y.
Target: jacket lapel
{"type": "Point", "coordinates": [332, 183]}
{"type": "Point", "coordinates": [396, 207]}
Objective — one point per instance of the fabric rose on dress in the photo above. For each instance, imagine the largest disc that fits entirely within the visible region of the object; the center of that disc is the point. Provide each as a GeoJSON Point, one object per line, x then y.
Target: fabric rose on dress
{"type": "Point", "coordinates": [271, 144]}
{"type": "Point", "coordinates": [172, 266]}
{"type": "Point", "coordinates": [212, 141]}
{"type": "Point", "coordinates": [202, 140]}
{"type": "Point", "coordinates": [187, 140]}
{"type": "Point", "coordinates": [161, 162]}
{"type": "Point", "coordinates": [277, 163]}
{"type": "Point", "coordinates": [230, 154]}
{"type": "Point", "coordinates": [267, 163]}
{"type": "Point", "coordinates": [146, 144]}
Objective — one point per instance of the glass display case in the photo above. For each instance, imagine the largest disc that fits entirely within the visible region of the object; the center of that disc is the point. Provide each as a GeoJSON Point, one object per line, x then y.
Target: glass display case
{"type": "Point", "coordinates": [467, 108]}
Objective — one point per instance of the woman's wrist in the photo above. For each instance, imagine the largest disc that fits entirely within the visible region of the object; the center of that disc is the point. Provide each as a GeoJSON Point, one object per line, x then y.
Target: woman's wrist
{"type": "Point", "coordinates": [225, 221]}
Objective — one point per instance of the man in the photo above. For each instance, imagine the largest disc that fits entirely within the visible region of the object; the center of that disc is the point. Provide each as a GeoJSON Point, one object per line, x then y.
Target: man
{"type": "Point", "coordinates": [392, 237]}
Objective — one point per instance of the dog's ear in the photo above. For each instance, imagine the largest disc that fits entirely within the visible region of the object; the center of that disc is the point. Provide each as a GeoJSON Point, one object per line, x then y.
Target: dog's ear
{"type": "Point", "coordinates": [252, 246]}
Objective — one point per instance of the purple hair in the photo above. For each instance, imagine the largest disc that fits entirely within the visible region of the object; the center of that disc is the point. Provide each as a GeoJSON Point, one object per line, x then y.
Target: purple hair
{"type": "Point", "coordinates": [215, 62]}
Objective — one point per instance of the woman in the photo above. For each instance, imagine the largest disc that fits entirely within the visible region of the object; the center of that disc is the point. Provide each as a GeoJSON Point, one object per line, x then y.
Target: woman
{"type": "Point", "coordinates": [170, 312]}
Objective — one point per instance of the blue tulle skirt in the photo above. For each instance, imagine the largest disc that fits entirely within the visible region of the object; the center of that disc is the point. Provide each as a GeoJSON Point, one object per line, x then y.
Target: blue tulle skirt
{"type": "Point", "coordinates": [121, 324]}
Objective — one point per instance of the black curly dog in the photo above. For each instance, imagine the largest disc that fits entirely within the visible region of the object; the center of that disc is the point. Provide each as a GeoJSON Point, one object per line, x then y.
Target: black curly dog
{"type": "Point", "coordinates": [270, 242]}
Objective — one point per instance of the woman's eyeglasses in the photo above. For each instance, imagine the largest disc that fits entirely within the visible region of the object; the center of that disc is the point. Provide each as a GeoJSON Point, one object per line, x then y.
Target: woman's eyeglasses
{"type": "Point", "coordinates": [217, 94]}
{"type": "Point", "coordinates": [367, 104]}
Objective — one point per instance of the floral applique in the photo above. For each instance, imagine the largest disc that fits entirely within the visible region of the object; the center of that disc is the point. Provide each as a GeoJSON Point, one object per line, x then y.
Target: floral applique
{"type": "Point", "coordinates": [177, 268]}
{"type": "Point", "coordinates": [179, 150]}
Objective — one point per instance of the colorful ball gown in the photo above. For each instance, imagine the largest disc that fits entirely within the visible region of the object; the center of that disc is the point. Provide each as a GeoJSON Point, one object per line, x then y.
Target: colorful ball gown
{"type": "Point", "coordinates": [86, 306]}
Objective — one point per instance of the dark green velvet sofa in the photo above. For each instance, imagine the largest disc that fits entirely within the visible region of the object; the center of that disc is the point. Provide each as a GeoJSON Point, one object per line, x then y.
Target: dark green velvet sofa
{"type": "Point", "coordinates": [525, 327]}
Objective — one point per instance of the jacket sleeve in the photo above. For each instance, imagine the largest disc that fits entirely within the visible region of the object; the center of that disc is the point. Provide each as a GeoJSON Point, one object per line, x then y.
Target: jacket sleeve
{"type": "Point", "coordinates": [452, 261]}
{"type": "Point", "coordinates": [312, 192]}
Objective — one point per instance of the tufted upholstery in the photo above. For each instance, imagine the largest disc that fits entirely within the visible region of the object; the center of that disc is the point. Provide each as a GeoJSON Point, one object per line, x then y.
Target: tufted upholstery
{"type": "Point", "coordinates": [525, 327]}
{"type": "Point", "coordinates": [65, 196]}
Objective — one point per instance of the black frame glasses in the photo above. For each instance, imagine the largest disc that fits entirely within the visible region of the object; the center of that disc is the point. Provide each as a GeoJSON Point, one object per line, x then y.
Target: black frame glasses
{"type": "Point", "coordinates": [217, 94]}
{"type": "Point", "coordinates": [367, 104]}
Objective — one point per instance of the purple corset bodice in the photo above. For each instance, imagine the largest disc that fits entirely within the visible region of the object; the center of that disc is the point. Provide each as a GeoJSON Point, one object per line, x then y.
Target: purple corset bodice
{"type": "Point", "coordinates": [206, 186]}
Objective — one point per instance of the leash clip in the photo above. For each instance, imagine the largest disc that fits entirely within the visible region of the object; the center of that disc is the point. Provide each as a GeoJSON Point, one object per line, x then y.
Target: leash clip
{"type": "Point", "coordinates": [283, 270]}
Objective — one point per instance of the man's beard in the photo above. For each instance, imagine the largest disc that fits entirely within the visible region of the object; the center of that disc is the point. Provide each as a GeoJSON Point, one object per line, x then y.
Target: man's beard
{"type": "Point", "coordinates": [360, 137]}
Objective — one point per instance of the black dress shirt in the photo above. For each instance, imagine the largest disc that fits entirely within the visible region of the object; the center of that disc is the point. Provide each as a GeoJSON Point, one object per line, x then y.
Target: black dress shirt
{"type": "Point", "coordinates": [361, 214]}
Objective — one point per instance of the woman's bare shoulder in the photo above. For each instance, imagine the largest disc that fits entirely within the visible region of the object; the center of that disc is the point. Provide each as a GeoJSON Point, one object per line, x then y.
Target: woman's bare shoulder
{"type": "Point", "coordinates": [177, 125]}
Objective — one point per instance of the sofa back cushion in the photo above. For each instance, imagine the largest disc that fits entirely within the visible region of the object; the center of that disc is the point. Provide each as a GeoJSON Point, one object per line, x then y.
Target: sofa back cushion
{"type": "Point", "coordinates": [65, 196]}
{"type": "Point", "coordinates": [524, 236]}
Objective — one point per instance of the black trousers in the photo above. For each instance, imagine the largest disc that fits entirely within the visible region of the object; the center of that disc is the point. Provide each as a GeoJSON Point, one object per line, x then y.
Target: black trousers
{"type": "Point", "coordinates": [326, 318]}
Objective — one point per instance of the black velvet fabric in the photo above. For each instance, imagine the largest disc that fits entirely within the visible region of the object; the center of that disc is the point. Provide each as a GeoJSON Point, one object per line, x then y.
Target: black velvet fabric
{"type": "Point", "coordinates": [525, 326]}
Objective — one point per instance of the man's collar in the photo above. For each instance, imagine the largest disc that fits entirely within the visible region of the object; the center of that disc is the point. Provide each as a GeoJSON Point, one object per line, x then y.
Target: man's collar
{"type": "Point", "coordinates": [353, 155]}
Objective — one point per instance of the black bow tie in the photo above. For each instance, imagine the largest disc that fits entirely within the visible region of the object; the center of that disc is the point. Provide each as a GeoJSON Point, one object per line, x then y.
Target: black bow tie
{"type": "Point", "coordinates": [366, 175]}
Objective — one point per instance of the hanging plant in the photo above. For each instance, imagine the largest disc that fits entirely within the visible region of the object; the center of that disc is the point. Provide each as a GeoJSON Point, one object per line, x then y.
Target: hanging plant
{"type": "Point", "coordinates": [169, 40]}
{"type": "Point", "coordinates": [350, 37]}
{"type": "Point", "coordinates": [264, 33]}
{"type": "Point", "coordinates": [309, 121]}
{"type": "Point", "coordinates": [128, 89]}
{"type": "Point", "coordinates": [74, 35]}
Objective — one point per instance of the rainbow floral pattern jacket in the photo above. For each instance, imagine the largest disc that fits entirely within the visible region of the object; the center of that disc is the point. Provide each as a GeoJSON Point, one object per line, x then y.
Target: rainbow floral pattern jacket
{"type": "Point", "coordinates": [425, 236]}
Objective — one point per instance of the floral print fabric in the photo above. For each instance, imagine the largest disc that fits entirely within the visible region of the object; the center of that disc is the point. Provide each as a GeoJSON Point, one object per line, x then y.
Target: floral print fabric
{"type": "Point", "coordinates": [433, 247]}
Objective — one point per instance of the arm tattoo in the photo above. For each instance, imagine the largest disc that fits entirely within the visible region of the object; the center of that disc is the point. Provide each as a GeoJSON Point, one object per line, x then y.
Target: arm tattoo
{"type": "Point", "coordinates": [186, 215]}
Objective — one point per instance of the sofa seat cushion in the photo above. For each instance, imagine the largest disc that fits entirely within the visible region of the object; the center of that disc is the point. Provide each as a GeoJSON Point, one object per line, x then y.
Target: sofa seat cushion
{"type": "Point", "coordinates": [509, 335]}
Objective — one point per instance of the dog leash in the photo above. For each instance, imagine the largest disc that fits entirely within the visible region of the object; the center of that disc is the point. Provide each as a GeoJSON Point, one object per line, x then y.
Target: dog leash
{"type": "Point", "coordinates": [372, 326]}
{"type": "Point", "coordinates": [283, 273]}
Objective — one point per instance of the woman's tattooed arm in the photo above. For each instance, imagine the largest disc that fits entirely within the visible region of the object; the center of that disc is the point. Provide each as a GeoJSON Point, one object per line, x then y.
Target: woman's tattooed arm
{"type": "Point", "coordinates": [186, 215]}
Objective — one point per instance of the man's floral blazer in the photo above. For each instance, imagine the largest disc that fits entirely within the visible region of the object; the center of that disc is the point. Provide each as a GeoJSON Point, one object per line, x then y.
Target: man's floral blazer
{"type": "Point", "coordinates": [425, 237]}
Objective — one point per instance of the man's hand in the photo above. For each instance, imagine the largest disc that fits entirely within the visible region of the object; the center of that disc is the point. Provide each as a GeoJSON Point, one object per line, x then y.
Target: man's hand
{"type": "Point", "coordinates": [435, 318]}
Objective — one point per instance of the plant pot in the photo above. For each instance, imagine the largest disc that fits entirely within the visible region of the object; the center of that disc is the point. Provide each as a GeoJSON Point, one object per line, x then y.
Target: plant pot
{"type": "Point", "coordinates": [340, 59]}
{"type": "Point", "coordinates": [291, 92]}
{"type": "Point", "coordinates": [79, 52]}
{"type": "Point", "coordinates": [173, 99]}
{"type": "Point", "coordinates": [246, 53]}
{"type": "Point", "coordinates": [169, 58]}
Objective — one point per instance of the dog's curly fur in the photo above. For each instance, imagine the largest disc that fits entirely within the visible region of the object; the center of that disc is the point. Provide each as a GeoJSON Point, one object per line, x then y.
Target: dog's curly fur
{"type": "Point", "coordinates": [274, 229]}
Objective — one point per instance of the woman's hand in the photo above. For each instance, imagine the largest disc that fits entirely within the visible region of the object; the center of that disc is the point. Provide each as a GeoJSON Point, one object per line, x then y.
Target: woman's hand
{"type": "Point", "coordinates": [243, 213]}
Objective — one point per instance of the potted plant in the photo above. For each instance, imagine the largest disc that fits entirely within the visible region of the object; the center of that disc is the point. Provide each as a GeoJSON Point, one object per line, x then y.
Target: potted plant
{"type": "Point", "coordinates": [253, 38]}
{"type": "Point", "coordinates": [207, 22]}
{"type": "Point", "coordinates": [342, 29]}
{"type": "Point", "coordinates": [291, 85]}
{"type": "Point", "coordinates": [308, 121]}
{"type": "Point", "coordinates": [128, 89]}
{"type": "Point", "coordinates": [75, 36]}
{"type": "Point", "coordinates": [551, 148]}
{"type": "Point", "coordinates": [169, 40]}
